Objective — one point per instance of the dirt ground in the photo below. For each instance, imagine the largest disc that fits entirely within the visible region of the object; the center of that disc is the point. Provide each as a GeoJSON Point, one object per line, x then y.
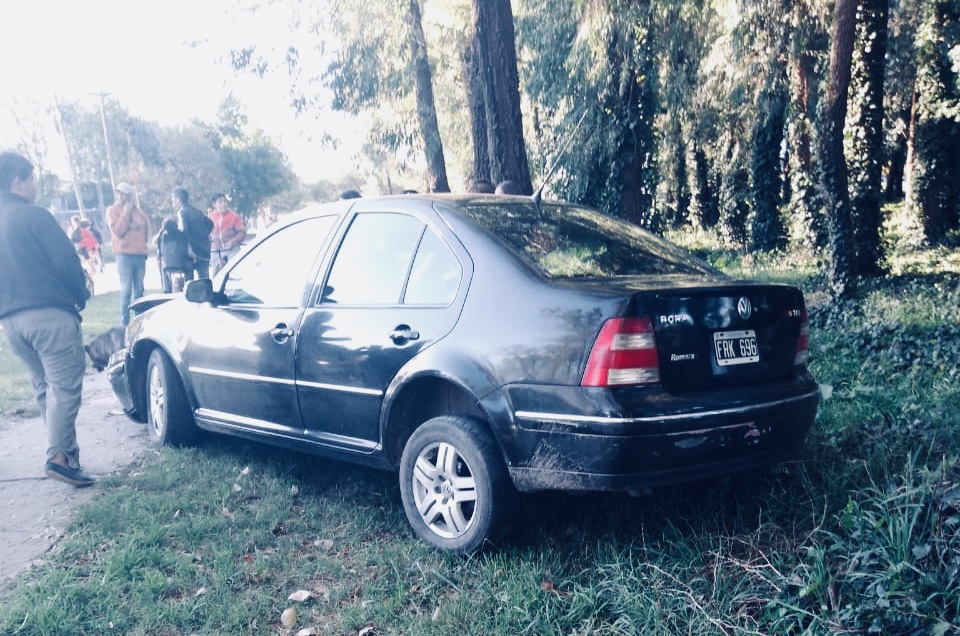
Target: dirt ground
{"type": "Point", "coordinates": [36, 509]}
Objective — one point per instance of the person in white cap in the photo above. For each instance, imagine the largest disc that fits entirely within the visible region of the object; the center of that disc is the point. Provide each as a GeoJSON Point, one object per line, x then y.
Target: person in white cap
{"type": "Point", "coordinates": [130, 228]}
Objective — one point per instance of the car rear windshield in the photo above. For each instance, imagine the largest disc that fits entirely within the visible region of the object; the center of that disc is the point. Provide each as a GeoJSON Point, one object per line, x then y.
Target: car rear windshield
{"type": "Point", "coordinates": [565, 240]}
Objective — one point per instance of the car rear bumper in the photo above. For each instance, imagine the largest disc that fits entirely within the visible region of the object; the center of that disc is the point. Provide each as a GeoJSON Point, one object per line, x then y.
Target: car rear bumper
{"type": "Point", "coordinates": [611, 452]}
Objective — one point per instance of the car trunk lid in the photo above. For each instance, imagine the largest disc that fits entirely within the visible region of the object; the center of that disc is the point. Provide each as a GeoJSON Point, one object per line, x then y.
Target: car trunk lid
{"type": "Point", "coordinates": [725, 336]}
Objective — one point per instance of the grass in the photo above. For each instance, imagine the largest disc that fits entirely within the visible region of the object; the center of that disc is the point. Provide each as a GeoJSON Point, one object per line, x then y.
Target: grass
{"type": "Point", "coordinates": [858, 536]}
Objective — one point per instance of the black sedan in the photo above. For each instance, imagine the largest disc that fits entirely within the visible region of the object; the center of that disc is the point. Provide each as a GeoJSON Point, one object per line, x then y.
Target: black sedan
{"type": "Point", "coordinates": [478, 346]}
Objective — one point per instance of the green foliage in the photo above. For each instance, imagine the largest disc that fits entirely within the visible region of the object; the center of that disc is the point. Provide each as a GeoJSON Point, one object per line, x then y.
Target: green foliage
{"type": "Point", "coordinates": [370, 65]}
{"type": "Point", "coordinates": [606, 73]}
{"type": "Point", "coordinates": [899, 574]}
{"type": "Point", "coordinates": [256, 171]}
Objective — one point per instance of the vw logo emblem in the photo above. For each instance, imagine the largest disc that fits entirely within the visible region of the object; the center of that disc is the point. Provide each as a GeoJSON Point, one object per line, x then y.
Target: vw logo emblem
{"type": "Point", "coordinates": [744, 308]}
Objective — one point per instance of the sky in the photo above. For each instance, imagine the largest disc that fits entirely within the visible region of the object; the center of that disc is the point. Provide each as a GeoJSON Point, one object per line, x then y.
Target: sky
{"type": "Point", "coordinates": [161, 60]}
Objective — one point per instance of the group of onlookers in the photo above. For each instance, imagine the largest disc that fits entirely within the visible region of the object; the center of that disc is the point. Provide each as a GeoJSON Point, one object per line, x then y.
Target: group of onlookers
{"type": "Point", "coordinates": [189, 243]}
{"type": "Point", "coordinates": [193, 244]}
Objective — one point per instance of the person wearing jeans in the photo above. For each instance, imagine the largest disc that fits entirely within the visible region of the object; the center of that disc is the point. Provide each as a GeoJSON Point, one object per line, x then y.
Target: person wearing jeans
{"type": "Point", "coordinates": [130, 228]}
{"type": "Point", "coordinates": [131, 268]}
{"type": "Point", "coordinates": [42, 291]}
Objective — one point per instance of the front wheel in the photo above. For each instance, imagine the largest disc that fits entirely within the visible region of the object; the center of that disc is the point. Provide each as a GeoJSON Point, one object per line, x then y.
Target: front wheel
{"type": "Point", "coordinates": [169, 419]}
{"type": "Point", "coordinates": [455, 487]}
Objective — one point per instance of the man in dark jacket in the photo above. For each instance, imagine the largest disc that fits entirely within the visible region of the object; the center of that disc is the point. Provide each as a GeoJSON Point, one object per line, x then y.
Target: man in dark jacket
{"type": "Point", "coordinates": [42, 290]}
{"type": "Point", "coordinates": [197, 226]}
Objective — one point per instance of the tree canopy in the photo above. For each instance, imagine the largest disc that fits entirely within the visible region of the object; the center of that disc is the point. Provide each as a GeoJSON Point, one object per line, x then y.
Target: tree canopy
{"type": "Point", "coordinates": [229, 156]}
{"type": "Point", "coordinates": [774, 123]}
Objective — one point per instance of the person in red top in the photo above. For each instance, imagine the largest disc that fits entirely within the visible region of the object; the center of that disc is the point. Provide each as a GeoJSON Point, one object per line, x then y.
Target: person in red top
{"type": "Point", "coordinates": [227, 234]}
{"type": "Point", "coordinates": [89, 248]}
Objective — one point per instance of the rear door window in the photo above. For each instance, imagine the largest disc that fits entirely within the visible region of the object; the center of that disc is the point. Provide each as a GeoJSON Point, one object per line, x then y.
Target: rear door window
{"type": "Point", "coordinates": [392, 259]}
{"type": "Point", "coordinates": [566, 240]}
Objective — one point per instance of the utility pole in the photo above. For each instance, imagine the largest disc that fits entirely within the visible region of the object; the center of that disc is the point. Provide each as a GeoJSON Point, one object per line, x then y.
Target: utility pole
{"type": "Point", "coordinates": [106, 139]}
{"type": "Point", "coordinates": [73, 169]}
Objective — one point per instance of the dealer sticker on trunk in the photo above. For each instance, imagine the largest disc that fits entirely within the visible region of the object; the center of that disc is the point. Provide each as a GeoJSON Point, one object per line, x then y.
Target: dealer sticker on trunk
{"type": "Point", "coordinates": [735, 347]}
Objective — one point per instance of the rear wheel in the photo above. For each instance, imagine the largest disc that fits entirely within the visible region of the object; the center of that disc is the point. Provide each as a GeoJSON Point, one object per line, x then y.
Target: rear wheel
{"type": "Point", "coordinates": [169, 419]}
{"type": "Point", "coordinates": [455, 487]}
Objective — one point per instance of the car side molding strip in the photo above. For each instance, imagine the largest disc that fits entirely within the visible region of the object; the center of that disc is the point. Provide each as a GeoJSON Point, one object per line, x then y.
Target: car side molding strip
{"type": "Point", "coordinates": [286, 381]}
{"type": "Point", "coordinates": [599, 419]}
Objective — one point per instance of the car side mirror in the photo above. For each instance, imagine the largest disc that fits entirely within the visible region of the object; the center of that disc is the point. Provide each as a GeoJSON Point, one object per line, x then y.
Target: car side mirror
{"type": "Point", "coordinates": [199, 291]}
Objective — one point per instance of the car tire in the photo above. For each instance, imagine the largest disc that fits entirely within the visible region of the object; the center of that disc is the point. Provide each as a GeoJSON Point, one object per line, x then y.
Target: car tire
{"type": "Point", "coordinates": [169, 418]}
{"type": "Point", "coordinates": [454, 484]}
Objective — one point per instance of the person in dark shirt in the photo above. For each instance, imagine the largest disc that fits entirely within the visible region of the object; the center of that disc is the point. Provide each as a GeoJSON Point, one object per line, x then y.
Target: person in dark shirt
{"type": "Point", "coordinates": [173, 252]}
{"type": "Point", "coordinates": [42, 291]}
{"type": "Point", "coordinates": [197, 227]}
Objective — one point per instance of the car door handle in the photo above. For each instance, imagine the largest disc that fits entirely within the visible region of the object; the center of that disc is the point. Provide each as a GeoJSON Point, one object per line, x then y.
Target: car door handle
{"type": "Point", "coordinates": [403, 333]}
{"type": "Point", "coordinates": [281, 333]}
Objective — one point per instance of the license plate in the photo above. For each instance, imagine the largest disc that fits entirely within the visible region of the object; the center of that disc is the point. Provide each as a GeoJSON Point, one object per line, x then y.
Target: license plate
{"type": "Point", "coordinates": [735, 347]}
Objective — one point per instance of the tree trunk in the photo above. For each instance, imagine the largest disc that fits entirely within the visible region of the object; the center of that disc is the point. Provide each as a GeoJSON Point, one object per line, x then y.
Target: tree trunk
{"type": "Point", "coordinates": [935, 170]}
{"type": "Point", "coordinates": [426, 107]}
{"type": "Point", "coordinates": [473, 87]}
{"type": "Point", "coordinates": [896, 165]}
{"type": "Point", "coordinates": [866, 158]}
{"type": "Point", "coordinates": [804, 203]}
{"type": "Point", "coordinates": [911, 148]}
{"type": "Point", "coordinates": [496, 56]}
{"type": "Point", "coordinates": [833, 181]}
{"type": "Point", "coordinates": [767, 231]}
{"type": "Point", "coordinates": [704, 201]}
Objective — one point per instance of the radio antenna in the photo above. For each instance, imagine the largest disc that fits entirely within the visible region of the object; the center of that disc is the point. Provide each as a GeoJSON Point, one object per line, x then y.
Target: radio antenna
{"type": "Point", "coordinates": [556, 162]}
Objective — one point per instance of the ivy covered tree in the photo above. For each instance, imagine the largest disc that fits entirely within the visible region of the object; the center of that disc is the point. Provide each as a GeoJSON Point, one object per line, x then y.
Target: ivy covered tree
{"type": "Point", "coordinates": [833, 168]}
{"type": "Point", "coordinates": [865, 143]}
{"type": "Point", "coordinates": [935, 179]}
{"type": "Point", "coordinates": [900, 76]}
{"type": "Point", "coordinates": [809, 47]}
{"type": "Point", "coordinates": [598, 101]}
{"type": "Point", "coordinates": [767, 229]}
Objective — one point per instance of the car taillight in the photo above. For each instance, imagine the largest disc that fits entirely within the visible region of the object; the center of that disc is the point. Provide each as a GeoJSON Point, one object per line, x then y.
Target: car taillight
{"type": "Point", "coordinates": [803, 342]}
{"type": "Point", "coordinates": [625, 352]}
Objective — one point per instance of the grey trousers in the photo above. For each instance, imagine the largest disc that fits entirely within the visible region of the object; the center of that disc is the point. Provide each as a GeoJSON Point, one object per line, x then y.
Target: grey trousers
{"type": "Point", "coordinates": [50, 343]}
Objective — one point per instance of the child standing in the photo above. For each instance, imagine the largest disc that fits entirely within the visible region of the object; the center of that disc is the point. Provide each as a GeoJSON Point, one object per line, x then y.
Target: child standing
{"type": "Point", "coordinates": [173, 255]}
